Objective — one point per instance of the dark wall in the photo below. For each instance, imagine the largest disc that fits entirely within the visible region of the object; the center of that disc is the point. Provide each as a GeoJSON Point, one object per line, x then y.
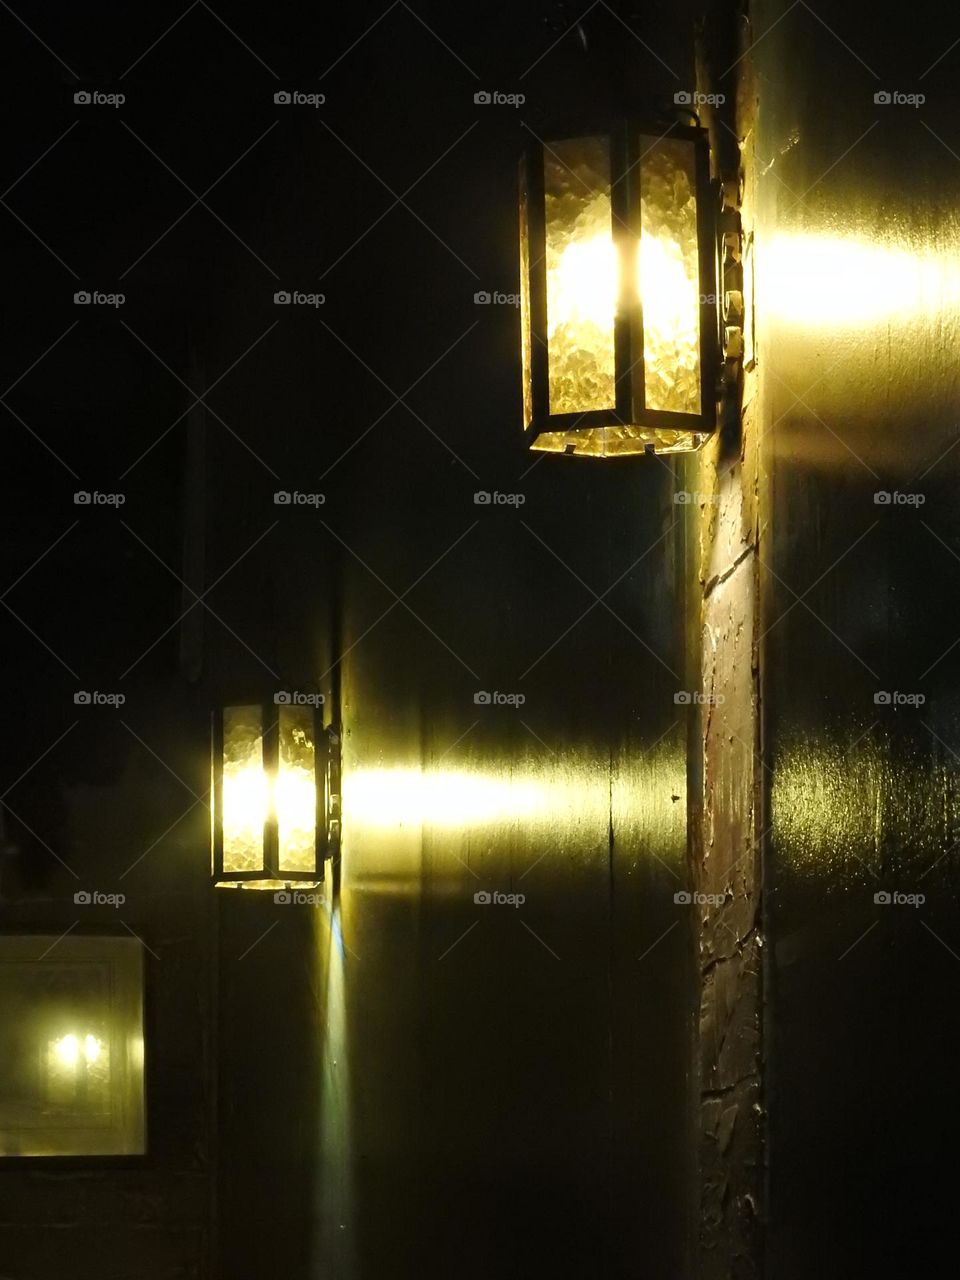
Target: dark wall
{"type": "Point", "coordinates": [856, 299]}
{"type": "Point", "coordinates": [405, 1082]}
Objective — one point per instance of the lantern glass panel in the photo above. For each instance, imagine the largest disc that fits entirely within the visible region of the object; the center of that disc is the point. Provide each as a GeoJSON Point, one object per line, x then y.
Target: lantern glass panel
{"type": "Point", "coordinates": [526, 356]}
{"type": "Point", "coordinates": [669, 275]}
{"type": "Point", "coordinates": [296, 792]}
{"type": "Point", "coordinates": [245, 798]}
{"type": "Point", "coordinates": [582, 275]}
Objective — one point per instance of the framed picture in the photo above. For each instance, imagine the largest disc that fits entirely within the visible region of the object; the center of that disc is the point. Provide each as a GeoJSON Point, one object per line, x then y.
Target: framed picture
{"type": "Point", "coordinates": [71, 1046]}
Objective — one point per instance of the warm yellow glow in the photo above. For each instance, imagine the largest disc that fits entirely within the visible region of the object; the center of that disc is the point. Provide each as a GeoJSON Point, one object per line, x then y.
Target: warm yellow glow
{"type": "Point", "coordinates": [621, 440]}
{"type": "Point", "coordinates": [670, 294]}
{"type": "Point", "coordinates": [252, 796]}
{"type": "Point", "coordinates": [245, 808]}
{"type": "Point", "coordinates": [850, 282]}
{"type": "Point", "coordinates": [669, 277]}
{"type": "Point", "coordinates": [274, 886]}
{"type": "Point", "coordinates": [581, 276]}
{"type": "Point", "coordinates": [67, 1050]}
{"type": "Point", "coordinates": [245, 794]}
{"type": "Point", "coordinates": [295, 794]}
{"type": "Point", "coordinates": [556, 804]}
{"type": "Point", "coordinates": [447, 798]}
{"type": "Point", "coordinates": [296, 801]}
{"type": "Point", "coordinates": [582, 286]}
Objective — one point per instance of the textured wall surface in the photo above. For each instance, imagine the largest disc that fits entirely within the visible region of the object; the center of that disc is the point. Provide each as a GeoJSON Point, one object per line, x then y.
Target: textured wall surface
{"type": "Point", "coordinates": [727, 836]}
{"type": "Point", "coordinates": [857, 311]}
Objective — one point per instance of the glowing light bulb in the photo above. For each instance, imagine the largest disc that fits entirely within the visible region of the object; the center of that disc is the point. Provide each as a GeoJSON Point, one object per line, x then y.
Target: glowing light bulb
{"type": "Point", "coordinates": [580, 260]}
{"type": "Point", "coordinates": [91, 1048]}
{"type": "Point", "coordinates": [582, 287]}
{"type": "Point", "coordinates": [245, 806]}
{"type": "Point", "coordinates": [67, 1049]}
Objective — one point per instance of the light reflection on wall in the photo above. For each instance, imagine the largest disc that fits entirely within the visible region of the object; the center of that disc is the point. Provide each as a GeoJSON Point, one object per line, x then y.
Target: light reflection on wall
{"type": "Point", "coordinates": [335, 1140]}
{"type": "Point", "coordinates": [446, 798]}
{"type": "Point", "coordinates": [566, 796]}
{"type": "Point", "coordinates": [847, 281]}
{"type": "Point", "coordinates": [846, 815]}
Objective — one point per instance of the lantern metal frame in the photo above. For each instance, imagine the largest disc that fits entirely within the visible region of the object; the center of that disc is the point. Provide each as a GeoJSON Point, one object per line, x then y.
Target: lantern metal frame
{"type": "Point", "coordinates": [630, 409]}
{"type": "Point", "coordinates": [326, 757]}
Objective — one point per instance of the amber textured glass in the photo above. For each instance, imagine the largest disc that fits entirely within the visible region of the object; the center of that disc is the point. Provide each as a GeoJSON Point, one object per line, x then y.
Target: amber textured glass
{"type": "Point", "coordinates": [582, 275]}
{"type": "Point", "coordinates": [244, 789]}
{"type": "Point", "coordinates": [669, 275]}
{"type": "Point", "coordinates": [296, 791]}
{"type": "Point", "coordinates": [525, 332]}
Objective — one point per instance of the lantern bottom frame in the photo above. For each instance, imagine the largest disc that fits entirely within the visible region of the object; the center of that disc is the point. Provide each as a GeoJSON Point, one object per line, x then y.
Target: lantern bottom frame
{"type": "Point", "coordinates": [618, 441]}
{"type": "Point", "coordinates": [303, 885]}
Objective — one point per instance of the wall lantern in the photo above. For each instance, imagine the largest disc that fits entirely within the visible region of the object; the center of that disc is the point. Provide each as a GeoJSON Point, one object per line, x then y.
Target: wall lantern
{"type": "Point", "coordinates": [620, 328]}
{"type": "Point", "coordinates": [276, 794]}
